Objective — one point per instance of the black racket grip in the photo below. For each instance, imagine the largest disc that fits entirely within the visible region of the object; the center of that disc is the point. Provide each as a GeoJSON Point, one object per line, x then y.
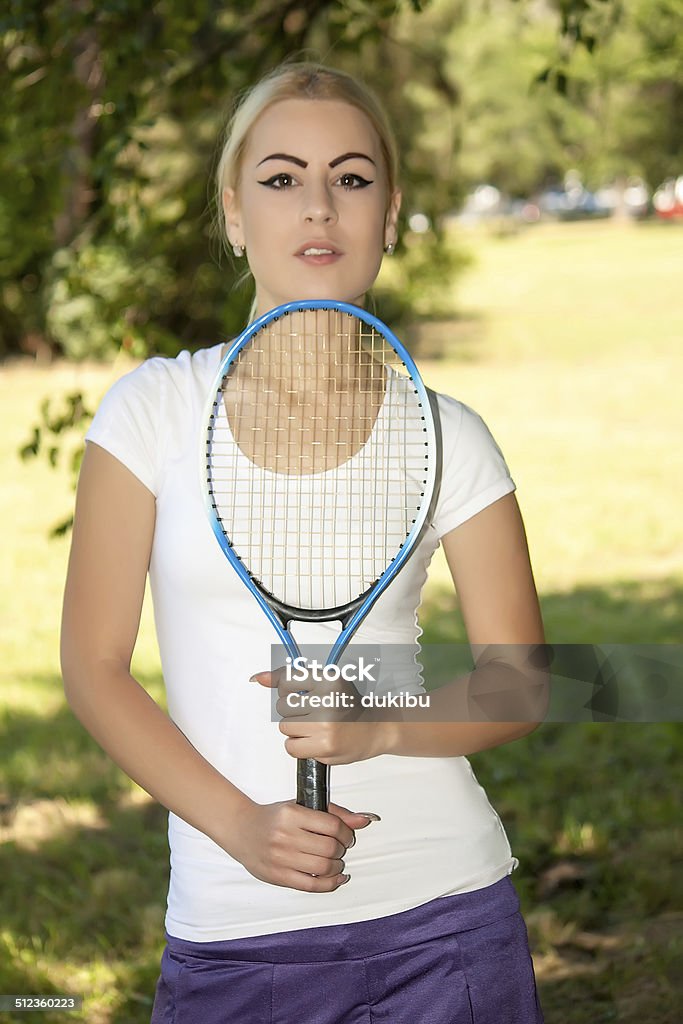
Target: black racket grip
{"type": "Point", "coordinates": [312, 784]}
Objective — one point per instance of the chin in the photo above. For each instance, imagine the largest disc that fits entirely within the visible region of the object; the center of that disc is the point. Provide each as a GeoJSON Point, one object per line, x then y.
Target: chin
{"type": "Point", "coordinates": [321, 290]}
{"type": "Point", "coordinates": [334, 294]}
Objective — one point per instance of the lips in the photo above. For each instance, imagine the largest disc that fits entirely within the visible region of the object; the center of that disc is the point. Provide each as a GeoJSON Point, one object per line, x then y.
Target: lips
{"type": "Point", "coordinates": [318, 248]}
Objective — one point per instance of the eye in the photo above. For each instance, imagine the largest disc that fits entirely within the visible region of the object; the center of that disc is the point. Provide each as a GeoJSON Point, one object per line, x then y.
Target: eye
{"type": "Point", "coordinates": [351, 182]}
{"type": "Point", "coordinates": [279, 181]}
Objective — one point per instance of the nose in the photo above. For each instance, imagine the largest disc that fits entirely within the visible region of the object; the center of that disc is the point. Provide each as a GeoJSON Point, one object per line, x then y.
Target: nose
{"type": "Point", "coordinates": [318, 205]}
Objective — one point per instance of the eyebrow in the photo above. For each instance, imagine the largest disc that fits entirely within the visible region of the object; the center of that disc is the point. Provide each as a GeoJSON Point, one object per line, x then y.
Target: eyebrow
{"type": "Point", "coordinates": [351, 156]}
{"type": "Point", "coordinates": [283, 156]}
{"type": "Point", "coordinates": [304, 163]}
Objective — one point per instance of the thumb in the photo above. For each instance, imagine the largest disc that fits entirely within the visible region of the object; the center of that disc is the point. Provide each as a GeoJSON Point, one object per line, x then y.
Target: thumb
{"type": "Point", "coordinates": [354, 819]}
{"type": "Point", "coordinates": [264, 678]}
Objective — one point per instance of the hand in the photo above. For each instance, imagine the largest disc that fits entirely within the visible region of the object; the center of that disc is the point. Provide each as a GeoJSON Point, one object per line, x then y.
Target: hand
{"type": "Point", "coordinates": [285, 844]}
{"type": "Point", "coordinates": [338, 734]}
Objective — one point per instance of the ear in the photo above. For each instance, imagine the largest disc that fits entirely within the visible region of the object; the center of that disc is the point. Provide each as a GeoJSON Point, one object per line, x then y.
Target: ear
{"type": "Point", "coordinates": [233, 220]}
{"type": "Point", "coordinates": [391, 219]}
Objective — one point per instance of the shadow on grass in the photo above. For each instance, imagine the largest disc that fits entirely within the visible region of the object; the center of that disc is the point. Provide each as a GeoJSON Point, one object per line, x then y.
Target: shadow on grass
{"type": "Point", "coordinates": [84, 868]}
{"type": "Point", "coordinates": [593, 790]}
{"type": "Point", "coordinates": [592, 812]}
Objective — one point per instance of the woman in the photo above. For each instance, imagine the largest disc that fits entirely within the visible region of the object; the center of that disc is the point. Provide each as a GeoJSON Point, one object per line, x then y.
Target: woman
{"type": "Point", "coordinates": [264, 921]}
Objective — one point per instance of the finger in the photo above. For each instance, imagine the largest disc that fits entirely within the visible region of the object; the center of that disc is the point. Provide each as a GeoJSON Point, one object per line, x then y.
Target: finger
{"type": "Point", "coordinates": [312, 745]}
{"type": "Point", "coordinates": [264, 678]}
{"type": "Point", "coordinates": [311, 883]}
{"type": "Point", "coordinates": [297, 725]}
{"type": "Point", "coordinates": [286, 686]}
{"type": "Point", "coordinates": [277, 680]}
{"type": "Point", "coordinates": [328, 847]}
{"type": "Point", "coordinates": [324, 823]}
{"type": "Point", "coordinates": [354, 819]}
{"type": "Point", "coordinates": [293, 708]}
{"type": "Point", "coordinates": [320, 867]}
{"type": "Point", "coordinates": [301, 728]}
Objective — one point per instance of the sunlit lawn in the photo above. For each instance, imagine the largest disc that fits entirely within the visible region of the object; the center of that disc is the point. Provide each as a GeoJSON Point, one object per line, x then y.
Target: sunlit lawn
{"type": "Point", "coordinates": [569, 346]}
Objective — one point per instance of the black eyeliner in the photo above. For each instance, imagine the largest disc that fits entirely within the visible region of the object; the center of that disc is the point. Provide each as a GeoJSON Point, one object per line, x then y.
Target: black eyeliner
{"type": "Point", "coordinates": [270, 181]}
{"type": "Point", "coordinates": [362, 182]}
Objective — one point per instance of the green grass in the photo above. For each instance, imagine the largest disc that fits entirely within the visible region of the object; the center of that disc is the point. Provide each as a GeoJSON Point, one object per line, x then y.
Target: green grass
{"type": "Point", "coordinates": [569, 347]}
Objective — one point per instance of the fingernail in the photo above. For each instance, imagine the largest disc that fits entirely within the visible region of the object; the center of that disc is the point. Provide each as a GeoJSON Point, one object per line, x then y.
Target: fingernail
{"type": "Point", "coordinates": [344, 880]}
{"type": "Point", "coordinates": [369, 815]}
{"type": "Point", "coordinates": [352, 843]}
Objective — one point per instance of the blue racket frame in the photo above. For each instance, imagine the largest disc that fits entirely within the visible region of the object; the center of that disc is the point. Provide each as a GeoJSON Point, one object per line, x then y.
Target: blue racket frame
{"type": "Point", "coordinates": [352, 615]}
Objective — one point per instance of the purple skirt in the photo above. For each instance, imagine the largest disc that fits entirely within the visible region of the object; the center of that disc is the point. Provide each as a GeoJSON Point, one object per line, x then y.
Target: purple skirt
{"type": "Point", "coordinates": [456, 960]}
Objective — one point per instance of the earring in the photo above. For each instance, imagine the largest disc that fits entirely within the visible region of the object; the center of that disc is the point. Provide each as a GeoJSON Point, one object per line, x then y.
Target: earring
{"type": "Point", "coordinates": [389, 248]}
{"type": "Point", "coordinates": [239, 250]}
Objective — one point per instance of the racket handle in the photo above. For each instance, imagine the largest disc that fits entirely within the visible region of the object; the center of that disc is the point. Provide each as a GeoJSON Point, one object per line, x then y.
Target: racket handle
{"type": "Point", "coordinates": [312, 784]}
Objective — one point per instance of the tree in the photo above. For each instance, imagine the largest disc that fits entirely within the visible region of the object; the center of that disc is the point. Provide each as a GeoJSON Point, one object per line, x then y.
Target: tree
{"type": "Point", "coordinates": [112, 111]}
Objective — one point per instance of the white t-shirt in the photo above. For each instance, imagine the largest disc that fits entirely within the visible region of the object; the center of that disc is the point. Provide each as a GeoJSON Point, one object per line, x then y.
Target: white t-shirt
{"type": "Point", "coordinates": [439, 834]}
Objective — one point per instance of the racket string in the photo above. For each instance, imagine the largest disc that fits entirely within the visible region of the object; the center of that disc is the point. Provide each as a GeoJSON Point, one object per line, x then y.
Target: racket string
{"type": "Point", "coordinates": [338, 405]}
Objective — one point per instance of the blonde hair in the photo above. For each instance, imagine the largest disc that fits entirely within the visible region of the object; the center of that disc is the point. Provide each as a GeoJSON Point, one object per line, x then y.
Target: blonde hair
{"type": "Point", "coordinates": [302, 80]}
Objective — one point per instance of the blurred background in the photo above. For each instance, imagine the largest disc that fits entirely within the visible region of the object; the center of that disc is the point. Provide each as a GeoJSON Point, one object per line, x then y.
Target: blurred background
{"type": "Point", "coordinates": [537, 278]}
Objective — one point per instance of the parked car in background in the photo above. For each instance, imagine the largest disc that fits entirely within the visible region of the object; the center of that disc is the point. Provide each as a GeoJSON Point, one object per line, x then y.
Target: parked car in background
{"type": "Point", "coordinates": [668, 199]}
{"type": "Point", "coordinates": [630, 198]}
{"type": "Point", "coordinates": [573, 201]}
{"type": "Point", "coordinates": [636, 198]}
{"type": "Point", "coordinates": [487, 204]}
{"type": "Point", "coordinates": [624, 198]}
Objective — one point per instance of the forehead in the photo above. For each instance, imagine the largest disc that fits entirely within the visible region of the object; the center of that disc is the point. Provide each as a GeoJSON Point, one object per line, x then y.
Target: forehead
{"type": "Point", "coordinates": [310, 128]}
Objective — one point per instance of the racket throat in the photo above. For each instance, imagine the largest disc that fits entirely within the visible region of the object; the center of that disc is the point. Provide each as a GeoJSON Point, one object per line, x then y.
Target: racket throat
{"type": "Point", "coordinates": [342, 614]}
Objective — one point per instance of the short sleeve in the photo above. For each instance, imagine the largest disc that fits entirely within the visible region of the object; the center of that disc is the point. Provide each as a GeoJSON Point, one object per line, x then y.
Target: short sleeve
{"type": "Point", "coordinates": [474, 472]}
{"type": "Point", "coordinates": [128, 421]}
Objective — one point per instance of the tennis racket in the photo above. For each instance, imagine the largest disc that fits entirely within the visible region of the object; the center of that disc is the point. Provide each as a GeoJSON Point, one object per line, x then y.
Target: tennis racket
{"type": "Point", "coordinates": [321, 463]}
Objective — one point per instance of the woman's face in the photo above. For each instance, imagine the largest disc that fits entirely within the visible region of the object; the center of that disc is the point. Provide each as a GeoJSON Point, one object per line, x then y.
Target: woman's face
{"type": "Point", "coordinates": [312, 207]}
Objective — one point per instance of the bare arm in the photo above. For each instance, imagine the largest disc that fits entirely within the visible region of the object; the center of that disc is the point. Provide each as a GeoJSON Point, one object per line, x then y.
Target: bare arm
{"type": "Point", "coordinates": [489, 562]}
{"type": "Point", "coordinates": [112, 539]}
